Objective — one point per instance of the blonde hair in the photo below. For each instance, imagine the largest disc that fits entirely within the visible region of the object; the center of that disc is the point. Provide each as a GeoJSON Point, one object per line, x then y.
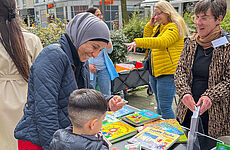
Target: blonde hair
{"type": "Point", "coordinates": [174, 17]}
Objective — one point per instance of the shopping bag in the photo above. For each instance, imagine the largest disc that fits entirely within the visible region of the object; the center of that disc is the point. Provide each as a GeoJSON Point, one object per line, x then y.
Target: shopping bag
{"type": "Point", "coordinates": [193, 142]}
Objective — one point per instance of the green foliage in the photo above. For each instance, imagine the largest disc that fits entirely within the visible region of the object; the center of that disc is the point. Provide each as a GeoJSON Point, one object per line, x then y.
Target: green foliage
{"type": "Point", "coordinates": [189, 17]}
{"type": "Point", "coordinates": [135, 28]}
{"type": "Point", "coordinates": [119, 50]}
{"type": "Point", "coordinates": [225, 24]}
{"type": "Point", "coordinates": [50, 34]}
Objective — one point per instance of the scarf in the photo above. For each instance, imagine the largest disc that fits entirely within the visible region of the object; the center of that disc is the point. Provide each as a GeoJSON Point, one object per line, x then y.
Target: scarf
{"type": "Point", "coordinates": [206, 42]}
{"type": "Point", "coordinates": [85, 27]}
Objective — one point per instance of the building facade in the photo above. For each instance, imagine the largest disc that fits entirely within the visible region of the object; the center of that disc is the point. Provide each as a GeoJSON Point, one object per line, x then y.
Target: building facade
{"type": "Point", "coordinates": [47, 10]}
{"type": "Point", "coordinates": [26, 11]}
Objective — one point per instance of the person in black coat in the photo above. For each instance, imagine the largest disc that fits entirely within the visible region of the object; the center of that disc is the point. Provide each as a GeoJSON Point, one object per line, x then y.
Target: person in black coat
{"type": "Point", "coordinates": [60, 69]}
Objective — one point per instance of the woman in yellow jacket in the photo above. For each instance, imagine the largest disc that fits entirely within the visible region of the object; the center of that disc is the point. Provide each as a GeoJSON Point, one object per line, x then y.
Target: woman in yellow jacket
{"type": "Point", "coordinates": [166, 41]}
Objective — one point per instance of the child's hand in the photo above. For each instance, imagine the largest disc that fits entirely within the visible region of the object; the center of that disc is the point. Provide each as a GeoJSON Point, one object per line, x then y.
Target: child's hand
{"type": "Point", "coordinates": [116, 103]}
{"type": "Point", "coordinates": [115, 148]}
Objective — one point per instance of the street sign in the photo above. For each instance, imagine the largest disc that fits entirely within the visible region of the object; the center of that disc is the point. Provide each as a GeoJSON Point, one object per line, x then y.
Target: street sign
{"type": "Point", "coordinates": [107, 2]}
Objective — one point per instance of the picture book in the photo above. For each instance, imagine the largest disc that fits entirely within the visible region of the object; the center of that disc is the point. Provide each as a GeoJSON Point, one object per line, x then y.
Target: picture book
{"type": "Point", "coordinates": [121, 112]}
{"type": "Point", "coordinates": [162, 125]}
{"type": "Point", "coordinates": [118, 131]}
{"type": "Point", "coordinates": [141, 117]}
{"type": "Point", "coordinates": [154, 139]}
{"type": "Point", "coordinates": [221, 146]}
{"type": "Point", "coordinates": [169, 125]}
{"type": "Point", "coordinates": [176, 124]}
{"type": "Point", "coordinates": [135, 146]}
{"type": "Point", "coordinates": [109, 119]}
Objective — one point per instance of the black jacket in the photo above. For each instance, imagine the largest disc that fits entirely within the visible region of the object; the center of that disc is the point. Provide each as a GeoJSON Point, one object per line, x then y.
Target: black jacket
{"type": "Point", "coordinates": [64, 139]}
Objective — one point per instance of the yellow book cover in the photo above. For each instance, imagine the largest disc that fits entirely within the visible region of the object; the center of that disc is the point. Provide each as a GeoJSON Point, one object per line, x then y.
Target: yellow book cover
{"type": "Point", "coordinates": [118, 131]}
{"type": "Point", "coordinates": [151, 138]}
{"type": "Point", "coordinates": [175, 124]}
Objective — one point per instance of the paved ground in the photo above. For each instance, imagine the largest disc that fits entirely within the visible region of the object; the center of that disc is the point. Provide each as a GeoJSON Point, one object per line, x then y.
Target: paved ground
{"type": "Point", "coordinates": [138, 97]}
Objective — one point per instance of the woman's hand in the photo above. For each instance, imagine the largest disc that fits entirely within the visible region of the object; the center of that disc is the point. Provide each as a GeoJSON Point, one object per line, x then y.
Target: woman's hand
{"type": "Point", "coordinates": [189, 101]}
{"type": "Point", "coordinates": [206, 104]}
{"type": "Point", "coordinates": [131, 46]}
{"type": "Point", "coordinates": [152, 21]}
{"type": "Point", "coordinates": [92, 68]}
{"type": "Point", "coordinates": [116, 103]}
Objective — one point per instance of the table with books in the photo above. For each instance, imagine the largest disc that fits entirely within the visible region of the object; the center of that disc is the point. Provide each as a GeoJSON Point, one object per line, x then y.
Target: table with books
{"type": "Point", "coordinates": [131, 127]}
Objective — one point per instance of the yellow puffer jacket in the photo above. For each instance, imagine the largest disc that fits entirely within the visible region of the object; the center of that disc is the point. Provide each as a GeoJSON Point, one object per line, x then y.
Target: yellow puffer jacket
{"type": "Point", "coordinates": [166, 47]}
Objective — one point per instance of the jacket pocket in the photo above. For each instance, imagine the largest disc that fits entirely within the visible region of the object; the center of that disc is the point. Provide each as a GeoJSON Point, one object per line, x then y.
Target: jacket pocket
{"type": "Point", "coordinates": [169, 55]}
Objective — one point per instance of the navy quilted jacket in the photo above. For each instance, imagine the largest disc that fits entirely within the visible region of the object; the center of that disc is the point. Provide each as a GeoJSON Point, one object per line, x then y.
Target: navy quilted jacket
{"type": "Point", "coordinates": [50, 83]}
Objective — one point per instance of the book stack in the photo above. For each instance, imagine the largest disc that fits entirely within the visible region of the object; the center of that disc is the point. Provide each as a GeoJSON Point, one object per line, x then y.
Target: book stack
{"type": "Point", "coordinates": [117, 131]}
{"type": "Point", "coordinates": [154, 139]}
{"type": "Point", "coordinates": [169, 125]}
{"type": "Point", "coordinates": [141, 117]}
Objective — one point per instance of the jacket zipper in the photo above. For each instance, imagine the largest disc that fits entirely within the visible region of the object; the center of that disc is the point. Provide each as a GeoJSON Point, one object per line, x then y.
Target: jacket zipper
{"type": "Point", "coordinates": [169, 55]}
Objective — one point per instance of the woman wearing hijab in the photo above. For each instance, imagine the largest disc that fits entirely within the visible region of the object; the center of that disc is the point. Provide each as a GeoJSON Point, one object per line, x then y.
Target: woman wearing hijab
{"type": "Point", "coordinates": [18, 49]}
{"type": "Point", "coordinates": [59, 70]}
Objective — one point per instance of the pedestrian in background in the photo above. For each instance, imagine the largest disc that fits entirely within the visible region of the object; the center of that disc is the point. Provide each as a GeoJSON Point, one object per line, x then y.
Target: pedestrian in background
{"type": "Point", "coordinates": [102, 70]}
{"type": "Point", "coordinates": [18, 50]}
{"type": "Point", "coordinates": [203, 73]}
{"type": "Point", "coordinates": [166, 41]}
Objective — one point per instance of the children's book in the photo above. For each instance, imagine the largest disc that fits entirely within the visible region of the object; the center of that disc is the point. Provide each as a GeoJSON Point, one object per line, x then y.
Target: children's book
{"type": "Point", "coordinates": [117, 131]}
{"type": "Point", "coordinates": [141, 117]}
{"type": "Point", "coordinates": [162, 125]}
{"type": "Point", "coordinates": [176, 124]}
{"type": "Point", "coordinates": [154, 139]}
{"type": "Point", "coordinates": [109, 119]}
{"type": "Point", "coordinates": [169, 125]}
{"type": "Point", "coordinates": [221, 146]}
{"type": "Point", "coordinates": [121, 112]}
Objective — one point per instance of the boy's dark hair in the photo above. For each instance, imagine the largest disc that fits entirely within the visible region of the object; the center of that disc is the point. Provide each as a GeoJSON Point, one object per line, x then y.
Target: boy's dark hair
{"type": "Point", "coordinates": [217, 7]}
{"type": "Point", "coordinates": [92, 10]}
{"type": "Point", "coordinates": [84, 105]}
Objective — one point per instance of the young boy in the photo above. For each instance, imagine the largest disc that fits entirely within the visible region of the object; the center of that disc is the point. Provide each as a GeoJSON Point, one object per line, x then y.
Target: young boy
{"type": "Point", "coordinates": [86, 108]}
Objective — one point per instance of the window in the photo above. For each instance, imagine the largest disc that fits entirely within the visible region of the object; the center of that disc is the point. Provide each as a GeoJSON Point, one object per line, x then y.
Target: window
{"type": "Point", "coordinates": [111, 14]}
{"type": "Point", "coordinates": [78, 9]}
{"type": "Point", "coordinates": [60, 12]}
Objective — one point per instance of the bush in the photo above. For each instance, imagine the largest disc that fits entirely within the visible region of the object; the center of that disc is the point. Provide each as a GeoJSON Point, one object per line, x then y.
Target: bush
{"type": "Point", "coordinates": [50, 34]}
{"type": "Point", "coordinates": [135, 28]}
{"type": "Point", "coordinates": [225, 24]}
{"type": "Point", "coordinates": [119, 50]}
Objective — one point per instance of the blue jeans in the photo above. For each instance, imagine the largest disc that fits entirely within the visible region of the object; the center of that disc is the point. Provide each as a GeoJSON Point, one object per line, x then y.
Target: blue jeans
{"type": "Point", "coordinates": [102, 79]}
{"type": "Point", "coordinates": [164, 90]}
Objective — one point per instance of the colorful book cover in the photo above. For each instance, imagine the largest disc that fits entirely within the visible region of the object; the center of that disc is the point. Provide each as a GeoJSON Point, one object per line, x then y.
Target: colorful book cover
{"type": "Point", "coordinates": [141, 117]}
{"type": "Point", "coordinates": [163, 125]}
{"type": "Point", "coordinates": [135, 146]}
{"type": "Point", "coordinates": [176, 124]}
{"type": "Point", "coordinates": [121, 112]}
{"type": "Point", "coordinates": [117, 131]}
{"type": "Point", "coordinates": [221, 146]}
{"type": "Point", "coordinates": [154, 139]}
{"type": "Point", "coordinates": [109, 119]}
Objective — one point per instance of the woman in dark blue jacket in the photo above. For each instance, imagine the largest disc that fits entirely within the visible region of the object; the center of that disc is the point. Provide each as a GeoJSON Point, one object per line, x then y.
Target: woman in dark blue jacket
{"type": "Point", "coordinates": [58, 70]}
